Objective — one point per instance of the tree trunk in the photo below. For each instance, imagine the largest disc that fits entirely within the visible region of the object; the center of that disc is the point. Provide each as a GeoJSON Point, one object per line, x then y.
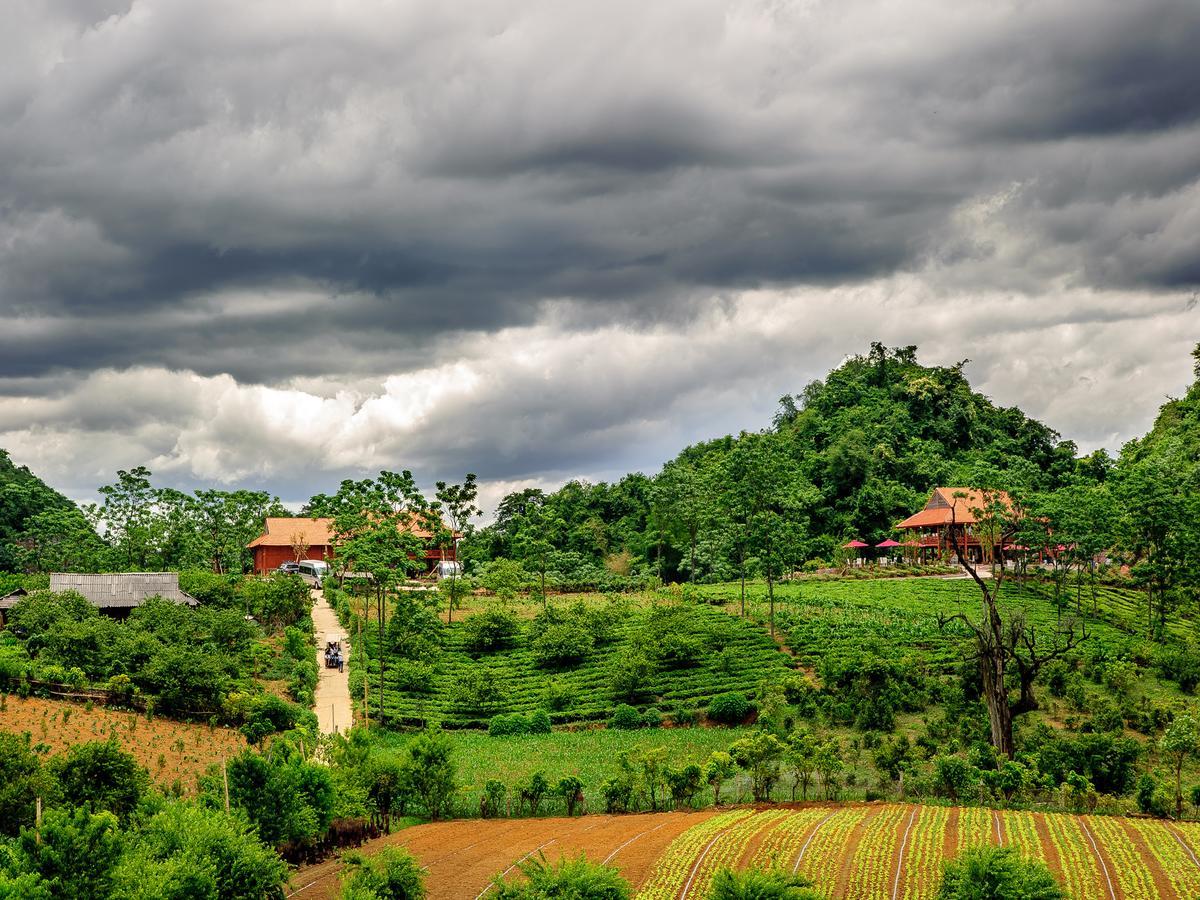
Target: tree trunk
{"type": "Point", "coordinates": [991, 667]}
{"type": "Point", "coordinates": [379, 604]}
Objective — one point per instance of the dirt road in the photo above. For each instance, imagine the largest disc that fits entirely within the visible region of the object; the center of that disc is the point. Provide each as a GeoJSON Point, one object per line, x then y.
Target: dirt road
{"type": "Point", "coordinates": [332, 703]}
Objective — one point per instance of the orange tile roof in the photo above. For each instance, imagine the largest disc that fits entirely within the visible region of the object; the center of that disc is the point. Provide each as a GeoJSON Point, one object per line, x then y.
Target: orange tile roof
{"type": "Point", "coordinates": [319, 532]}
{"type": "Point", "coordinates": [944, 507]}
{"type": "Point", "coordinates": [279, 532]}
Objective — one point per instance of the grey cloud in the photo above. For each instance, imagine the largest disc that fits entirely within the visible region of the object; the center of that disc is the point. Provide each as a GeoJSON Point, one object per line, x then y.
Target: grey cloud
{"type": "Point", "coordinates": [313, 197]}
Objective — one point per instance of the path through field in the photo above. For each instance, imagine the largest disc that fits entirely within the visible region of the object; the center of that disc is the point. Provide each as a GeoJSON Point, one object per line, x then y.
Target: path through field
{"type": "Point", "coordinates": [876, 851]}
{"type": "Point", "coordinates": [332, 697]}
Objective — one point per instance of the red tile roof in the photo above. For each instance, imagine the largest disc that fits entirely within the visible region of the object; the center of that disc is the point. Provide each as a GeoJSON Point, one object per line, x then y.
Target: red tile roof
{"type": "Point", "coordinates": [318, 532]}
{"type": "Point", "coordinates": [944, 507]}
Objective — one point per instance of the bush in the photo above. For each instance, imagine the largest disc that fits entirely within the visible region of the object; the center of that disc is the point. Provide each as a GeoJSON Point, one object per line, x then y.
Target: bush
{"type": "Point", "coordinates": [625, 717]}
{"type": "Point", "coordinates": [757, 884]}
{"type": "Point", "coordinates": [507, 724]}
{"type": "Point", "coordinates": [101, 776]}
{"type": "Point", "coordinates": [729, 709]}
{"type": "Point", "coordinates": [539, 722]}
{"type": "Point", "coordinates": [997, 873]}
{"type": "Point", "coordinates": [652, 718]}
{"type": "Point", "coordinates": [391, 874]}
{"type": "Point", "coordinates": [1151, 798]}
{"type": "Point", "coordinates": [685, 718]}
{"type": "Point", "coordinates": [560, 644]}
{"type": "Point", "coordinates": [494, 629]}
{"type": "Point", "coordinates": [559, 695]}
{"type": "Point", "coordinates": [567, 878]}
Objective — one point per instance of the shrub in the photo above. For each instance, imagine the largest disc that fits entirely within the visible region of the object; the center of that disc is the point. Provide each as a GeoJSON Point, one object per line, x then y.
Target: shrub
{"type": "Point", "coordinates": [477, 690]}
{"type": "Point", "coordinates": [996, 873]}
{"type": "Point", "coordinates": [494, 629]}
{"type": "Point", "coordinates": [576, 877]}
{"type": "Point", "coordinates": [625, 717]}
{"type": "Point", "coordinates": [759, 884]}
{"type": "Point", "coordinates": [558, 695]}
{"type": "Point", "coordinates": [729, 709]}
{"type": "Point", "coordinates": [561, 644]}
{"type": "Point", "coordinates": [652, 718]}
{"type": "Point", "coordinates": [494, 795]}
{"type": "Point", "coordinates": [1151, 798]}
{"type": "Point", "coordinates": [539, 722]}
{"type": "Point", "coordinates": [629, 674]}
{"type": "Point", "coordinates": [391, 874]}
{"type": "Point", "coordinates": [685, 718]}
{"type": "Point", "coordinates": [506, 724]}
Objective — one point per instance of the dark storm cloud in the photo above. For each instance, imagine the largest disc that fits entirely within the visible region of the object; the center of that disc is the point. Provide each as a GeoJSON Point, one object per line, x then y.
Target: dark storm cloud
{"type": "Point", "coordinates": [287, 206]}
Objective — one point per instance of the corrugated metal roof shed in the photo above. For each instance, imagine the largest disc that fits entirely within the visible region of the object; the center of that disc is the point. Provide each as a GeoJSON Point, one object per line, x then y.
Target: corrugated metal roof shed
{"type": "Point", "coordinates": [123, 590]}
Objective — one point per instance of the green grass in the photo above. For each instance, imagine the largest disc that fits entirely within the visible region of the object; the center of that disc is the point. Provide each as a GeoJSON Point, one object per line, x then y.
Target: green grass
{"type": "Point", "coordinates": [590, 755]}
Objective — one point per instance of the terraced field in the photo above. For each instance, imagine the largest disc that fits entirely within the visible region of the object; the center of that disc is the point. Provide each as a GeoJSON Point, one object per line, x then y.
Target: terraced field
{"type": "Point", "coordinates": [737, 656]}
{"type": "Point", "coordinates": [864, 851]}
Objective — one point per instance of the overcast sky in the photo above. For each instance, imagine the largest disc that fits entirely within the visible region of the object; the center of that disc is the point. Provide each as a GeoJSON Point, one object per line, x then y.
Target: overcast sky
{"type": "Point", "coordinates": [283, 243]}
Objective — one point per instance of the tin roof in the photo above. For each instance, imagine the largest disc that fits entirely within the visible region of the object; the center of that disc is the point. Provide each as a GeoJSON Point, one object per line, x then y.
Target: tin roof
{"type": "Point", "coordinates": [123, 590]}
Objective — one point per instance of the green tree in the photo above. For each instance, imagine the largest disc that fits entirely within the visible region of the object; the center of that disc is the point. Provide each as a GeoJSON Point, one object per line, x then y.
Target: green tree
{"type": "Point", "coordinates": [74, 854]}
{"type": "Point", "coordinates": [717, 770]}
{"type": "Point", "coordinates": [189, 851]}
{"type": "Point", "coordinates": [376, 535]}
{"type": "Point", "coordinates": [99, 775]}
{"type": "Point", "coordinates": [21, 782]}
{"type": "Point", "coordinates": [1180, 742]}
{"type": "Point", "coordinates": [430, 772]}
{"type": "Point", "coordinates": [760, 756]}
{"type": "Point", "coordinates": [450, 519]}
{"type": "Point", "coordinates": [997, 873]}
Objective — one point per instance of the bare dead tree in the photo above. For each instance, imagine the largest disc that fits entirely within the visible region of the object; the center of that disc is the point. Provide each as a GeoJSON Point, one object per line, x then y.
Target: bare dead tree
{"type": "Point", "coordinates": [300, 545]}
{"type": "Point", "coordinates": [1001, 646]}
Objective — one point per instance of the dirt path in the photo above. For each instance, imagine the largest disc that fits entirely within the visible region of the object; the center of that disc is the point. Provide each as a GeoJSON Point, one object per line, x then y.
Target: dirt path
{"type": "Point", "coordinates": [332, 697]}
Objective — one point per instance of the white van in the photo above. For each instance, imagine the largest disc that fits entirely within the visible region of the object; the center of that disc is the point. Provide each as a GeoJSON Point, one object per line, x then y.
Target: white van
{"type": "Point", "coordinates": [314, 568]}
{"type": "Point", "coordinates": [447, 568]}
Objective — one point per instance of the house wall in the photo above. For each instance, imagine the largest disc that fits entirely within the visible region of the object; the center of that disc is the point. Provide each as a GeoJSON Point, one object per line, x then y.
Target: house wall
{"type": "Point", "coordinates": [268, 558]}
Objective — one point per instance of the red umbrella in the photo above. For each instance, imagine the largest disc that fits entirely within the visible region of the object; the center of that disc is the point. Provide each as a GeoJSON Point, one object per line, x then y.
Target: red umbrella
{"type": "Point", "coordinates": [855, 545]}
{"type": "Point", "coordinates": [888, 543]}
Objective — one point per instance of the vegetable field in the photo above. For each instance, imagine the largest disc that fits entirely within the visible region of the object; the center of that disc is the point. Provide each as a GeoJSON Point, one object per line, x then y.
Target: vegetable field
{"type": "Point", "coordinates": [865, 851]}
{"type": "Point", "coordinates": [896, 851]}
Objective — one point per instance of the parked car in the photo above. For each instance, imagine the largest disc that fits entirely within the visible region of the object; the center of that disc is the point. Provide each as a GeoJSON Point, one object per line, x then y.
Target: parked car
{"type": "Point", "coordinates": [314, 568]}
{"type": "Point", "coordinates": [289, 568]}
{"type": "Point", "coordinates": [447, 568]}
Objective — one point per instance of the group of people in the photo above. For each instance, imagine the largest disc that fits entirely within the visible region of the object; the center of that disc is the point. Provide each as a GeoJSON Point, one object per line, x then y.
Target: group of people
{"type": "Point", "coordinates": [333, 656]}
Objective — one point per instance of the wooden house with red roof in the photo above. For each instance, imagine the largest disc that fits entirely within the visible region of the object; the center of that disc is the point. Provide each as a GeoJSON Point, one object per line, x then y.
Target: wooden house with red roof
{"type": "Point", "coordinates": [954, 509]}
{"type": "Point", "coordinates": [292, 539]}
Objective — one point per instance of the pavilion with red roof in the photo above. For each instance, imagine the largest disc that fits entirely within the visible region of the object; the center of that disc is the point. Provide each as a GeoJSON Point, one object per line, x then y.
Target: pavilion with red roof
{"type": "Point", "coordinates": [952, 509]}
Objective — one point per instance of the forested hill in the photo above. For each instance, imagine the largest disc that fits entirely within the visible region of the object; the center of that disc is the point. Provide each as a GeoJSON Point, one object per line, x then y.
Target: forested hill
{"type": "Point", "coordinates": [25, 500]}
{"type": "Point", "coordinates": [882, 430]}
{"type": "Point", "coordinates": [1175, 437]}
{"type": "Point", "coordinates": [855, 453]}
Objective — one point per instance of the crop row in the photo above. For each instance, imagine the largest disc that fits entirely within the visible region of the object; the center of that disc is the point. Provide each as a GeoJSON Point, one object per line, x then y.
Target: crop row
{"type": "Point", "coordinates": [869, 852]}
{"type": "Point", "coordinates": [674, 866]}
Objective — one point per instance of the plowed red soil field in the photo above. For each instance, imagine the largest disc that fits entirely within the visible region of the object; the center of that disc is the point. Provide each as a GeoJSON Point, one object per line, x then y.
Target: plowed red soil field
{"type": "Point", "coordinates": [170, 750]}
{"type": "Point", "coordinates": [860, 851]}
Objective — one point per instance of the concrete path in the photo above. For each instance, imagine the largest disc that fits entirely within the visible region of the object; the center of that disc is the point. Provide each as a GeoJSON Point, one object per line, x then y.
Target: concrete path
{"type": "Point", "coordinates": [332, 703]}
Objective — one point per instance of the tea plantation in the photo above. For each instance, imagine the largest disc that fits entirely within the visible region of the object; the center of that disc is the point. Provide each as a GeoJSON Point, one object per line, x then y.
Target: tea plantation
{"type": "Point", "coordinates": [578, 662]}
